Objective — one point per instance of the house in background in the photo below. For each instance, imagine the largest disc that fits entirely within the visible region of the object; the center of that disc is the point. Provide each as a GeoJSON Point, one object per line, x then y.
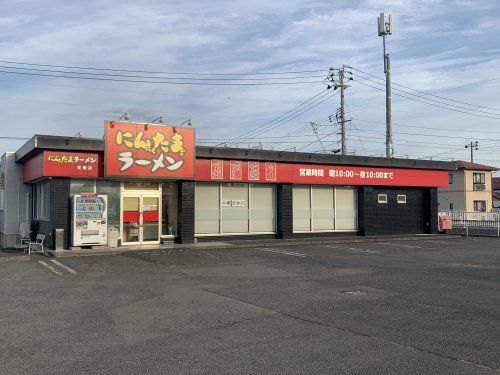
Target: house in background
{"type": "Point", "coordinates": [469, 189]}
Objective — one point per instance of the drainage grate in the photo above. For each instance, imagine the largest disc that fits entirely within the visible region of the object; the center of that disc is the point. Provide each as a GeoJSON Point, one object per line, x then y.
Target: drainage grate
{"type": "Point", "coordinates": [356, 292]}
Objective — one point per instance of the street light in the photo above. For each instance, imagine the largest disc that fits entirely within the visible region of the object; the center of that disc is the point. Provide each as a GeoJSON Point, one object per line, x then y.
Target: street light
{"type": "Point", "coordinates": [160, 120]}
{"type": "Point", "coordinates": [187, 122]}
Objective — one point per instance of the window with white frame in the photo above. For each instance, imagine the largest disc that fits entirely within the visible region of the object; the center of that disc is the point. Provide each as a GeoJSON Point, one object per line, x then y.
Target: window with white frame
{"type": "Point", "coordinates": [401, 198]}
{"type": "Point", "coordinates": [319, 208]}
{"type": "Point", "coordinates": [301, 207]}
{"type": "Point", "coordinates": [346, 212]}
{"type": "Point", "coordinates": [234, 208]}
{"type": "Point", "coordinates": [42, 200]}
{"type": "Point", "coordinates": [382, 198]}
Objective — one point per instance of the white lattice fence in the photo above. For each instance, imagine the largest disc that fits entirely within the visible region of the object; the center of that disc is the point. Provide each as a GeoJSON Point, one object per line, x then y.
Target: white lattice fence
{"type": "Point", "coordinates": [475, 220]}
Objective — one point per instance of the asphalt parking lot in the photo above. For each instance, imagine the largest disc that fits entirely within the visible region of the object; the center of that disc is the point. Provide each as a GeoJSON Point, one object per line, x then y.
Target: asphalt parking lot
{"type": "Point", "coordinates": [401, 307]}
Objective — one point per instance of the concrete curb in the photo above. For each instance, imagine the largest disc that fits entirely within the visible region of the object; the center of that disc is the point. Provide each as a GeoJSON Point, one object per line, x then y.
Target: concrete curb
{"type": "Point", "coordinates": [246, 245]}
{"type": "Point", "coordinates": [14, 258]}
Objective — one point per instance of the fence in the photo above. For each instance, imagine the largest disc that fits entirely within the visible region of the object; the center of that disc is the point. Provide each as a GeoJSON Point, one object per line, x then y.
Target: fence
{"type": "Point", "coordinates": [479, 223]}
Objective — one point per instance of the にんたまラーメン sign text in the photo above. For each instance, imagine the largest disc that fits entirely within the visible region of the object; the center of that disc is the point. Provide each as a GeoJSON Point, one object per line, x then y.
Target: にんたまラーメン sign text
{"type": "Point", "coordinates": [152, 151]}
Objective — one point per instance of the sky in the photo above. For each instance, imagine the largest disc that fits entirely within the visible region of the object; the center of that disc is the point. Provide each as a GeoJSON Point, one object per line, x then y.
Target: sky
{"type": "Point", "coordinates": [447, 50]}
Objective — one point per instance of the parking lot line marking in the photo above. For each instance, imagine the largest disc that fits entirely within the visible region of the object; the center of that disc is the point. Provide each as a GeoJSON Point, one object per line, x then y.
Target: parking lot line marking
{"type": "Point", "coordinates": [70, 270]}
{"type": "Point", "coordinates": [399, 245]}
{"type": "Point", "coordinates": [281, 252]}
{"type": "Point", "coordinates": [363, 250]}
{"type": "Point", "coordinates": [358, 250]}
{"type": "Point", "coordinates": [45, 264]}
{"type": "Point", "coordinates": [330, 246]}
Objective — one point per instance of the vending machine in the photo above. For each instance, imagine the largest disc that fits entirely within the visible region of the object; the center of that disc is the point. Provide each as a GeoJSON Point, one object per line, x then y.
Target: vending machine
{"type": "Point", "coordinates": [90, 220]}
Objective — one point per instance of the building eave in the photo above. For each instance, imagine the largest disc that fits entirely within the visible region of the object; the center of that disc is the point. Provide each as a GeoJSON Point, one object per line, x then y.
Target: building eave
{"type": "Point", "coordinates": [52, 142]}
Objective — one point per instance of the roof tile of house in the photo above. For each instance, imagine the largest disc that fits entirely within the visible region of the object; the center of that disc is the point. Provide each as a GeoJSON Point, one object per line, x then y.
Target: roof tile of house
{"type": "Point", "coordinates": [466, 165]}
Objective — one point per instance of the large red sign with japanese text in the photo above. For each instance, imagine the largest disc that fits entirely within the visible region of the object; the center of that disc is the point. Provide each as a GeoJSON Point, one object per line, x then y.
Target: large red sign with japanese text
{"type": "Point", "coordinates": [63, 164]}
{"type": "Point", "coordinates": [148, 151]}
{"type": "Point", "coordinates": [271, 172]}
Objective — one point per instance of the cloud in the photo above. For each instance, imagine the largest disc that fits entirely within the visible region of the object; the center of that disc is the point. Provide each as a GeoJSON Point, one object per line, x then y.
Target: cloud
{"type": "Point", "coordinates": [434, 47]}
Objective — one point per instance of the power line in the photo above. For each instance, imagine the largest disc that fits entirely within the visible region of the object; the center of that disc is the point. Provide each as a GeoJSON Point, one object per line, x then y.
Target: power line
{"type": "Point", "coordinates": [411, 142]}
{"type": "Point", "coordinates": [157, 77]}
{"type": "Point", "coordinates": [159, 82]}
{"type": "Point", "coordinates": [446, 152]}
{"type": "Point", "coordinates": [355, 127]}
{"type": "Point", "coordinates": [14, 138]}
{"type": "Point", "coordinates": [434, 95]}
{"type": "Point", "coordinates": [284, 116]}
{"type": "Point", "coordinates": [432, 135]}
{"type": "Point", "coordinates": [434, 100]}
{"type": "Point", "coordinates": [108, 109]}
{"type": "Point", "coordinates": [360, 108]}
{"type": "Point", "coordinates": [277, 118]}
{"type": "Point", "coordinates": [295, 115]}
{"type": "Point", "coordinates": [120, 105]}
{"type": "Point", "coordinates": [280, 139]}
{"type": "Point", "coordinates": [431, 104]}
{"type": "Point", "coordinates": [429, 127]}
{"type": "Point", "coordinates": [155, 92]}
{"type": "Point", "coordinates": [160, 72]}
{"type": "Point", "coordinates": [431, 99]}
{"type": "Point", "coordinates": [309, 144]}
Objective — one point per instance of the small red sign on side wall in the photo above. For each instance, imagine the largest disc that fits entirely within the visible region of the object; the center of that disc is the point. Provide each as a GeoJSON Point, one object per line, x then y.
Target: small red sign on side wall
{"type": "Point", "coordinates": [63, 164]}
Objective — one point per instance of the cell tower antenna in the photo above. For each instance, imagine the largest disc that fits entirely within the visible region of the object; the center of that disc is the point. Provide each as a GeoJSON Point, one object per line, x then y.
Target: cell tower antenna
{"type": "Point", "coordinates": [385, 29]}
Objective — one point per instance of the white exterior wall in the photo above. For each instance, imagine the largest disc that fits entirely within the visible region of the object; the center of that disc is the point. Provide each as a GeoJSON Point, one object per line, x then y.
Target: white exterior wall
{"type": "Point", "coordinates": [453, 193]}
{"type": "Point", "coordinates": [15, 205]}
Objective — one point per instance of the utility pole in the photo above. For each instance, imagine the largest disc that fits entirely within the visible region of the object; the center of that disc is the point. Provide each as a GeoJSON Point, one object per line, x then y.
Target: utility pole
{"type": "Point", "coordinates": [340, 114]}
{"type": "Point", "coordinates": [384, 29]}
{"type": "Point", "coordinates": [342, 111]}
{"type": "Point", "coordinates": [473, 146]}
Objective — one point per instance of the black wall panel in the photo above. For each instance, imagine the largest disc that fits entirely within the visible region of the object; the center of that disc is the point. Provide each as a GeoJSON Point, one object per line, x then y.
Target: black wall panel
{"type": "Point", "coordinates": [392, 217]}
{"type": "Point", "coordinates": [185, 212]}
{"type": "Point", "coordinates": [284, 211]}
{"type": "Point", "coordinates": [431, 210]}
